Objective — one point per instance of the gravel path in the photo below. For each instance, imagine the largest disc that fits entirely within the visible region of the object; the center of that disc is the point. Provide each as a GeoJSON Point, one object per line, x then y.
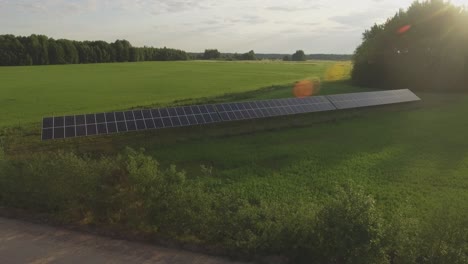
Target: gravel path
{"type": "Point", "coordinates": [22, 242]}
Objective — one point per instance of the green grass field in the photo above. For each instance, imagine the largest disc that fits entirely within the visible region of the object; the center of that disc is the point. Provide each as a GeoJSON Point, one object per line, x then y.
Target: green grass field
{"type": "Point", "coordinates": [29, 93]}
{"type": "Point", "coordinates": [412, 158]}
{"type": "Point", "coordinates": [401, 155]}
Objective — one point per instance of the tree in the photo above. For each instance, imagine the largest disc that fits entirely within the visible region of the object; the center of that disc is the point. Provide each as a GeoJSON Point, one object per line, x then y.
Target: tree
{"type": "Point", "coordinates": [299, 56]}
{"type": "Point", "coordinates": [286, 58]}
{"type": "Point", "coordinates": [427, 39]}
{"type": "Point", "coordinates": [211, 54]}
{"type": "Point", "coordinates": [69, 50]}
{"type": "Point", "coordinates": [56, 53]}
{"type": "Point", "coordinates": [249, 55]}
{"type": "Point", "coordinates": [41, 50]}
{"type": "Point", "coordinates": [12, 52]}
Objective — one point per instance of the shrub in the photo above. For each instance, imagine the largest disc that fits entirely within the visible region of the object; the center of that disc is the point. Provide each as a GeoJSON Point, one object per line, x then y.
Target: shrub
{"type": "Point", "coordinates": [348, 229]}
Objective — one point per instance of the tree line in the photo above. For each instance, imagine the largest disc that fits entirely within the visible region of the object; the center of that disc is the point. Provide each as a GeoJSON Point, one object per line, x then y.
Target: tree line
{"type": "Point", "coordinates": [42, 50]}
{"type": "Point", "coordinates": [214, 54]}
{"type": "Point", "coordinates": [424, 47]}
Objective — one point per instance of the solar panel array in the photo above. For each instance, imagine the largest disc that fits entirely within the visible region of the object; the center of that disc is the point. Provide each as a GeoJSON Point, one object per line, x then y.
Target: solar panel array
{"type": "Point", "coordinates": [275, 107]}
{"type": "Point", "coordinates": [355, 100]}
{"type": "Point", "coordinates": [136, 120]}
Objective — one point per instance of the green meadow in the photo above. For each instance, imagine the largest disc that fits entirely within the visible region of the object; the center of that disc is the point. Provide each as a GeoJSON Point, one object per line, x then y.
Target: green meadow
{"type": "Point", "coordinates": [251, 187]}
{"type": "Point", "coordinates": [29, 93]}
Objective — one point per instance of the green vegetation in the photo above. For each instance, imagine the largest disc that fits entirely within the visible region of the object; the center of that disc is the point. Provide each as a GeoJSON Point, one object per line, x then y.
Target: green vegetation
{"type": "Point", "coordinates": [424, 48]}
{"type": "Point", "coordinates": [299, 56]}
{"type": "Point", "coordinates": [379, 185]}
{"type": "Point", "coordinates": [286, 190]}
{"type": "Point", "coordinates": [42, 50]}
{"type": "Point", "coordinates": [75, 89]}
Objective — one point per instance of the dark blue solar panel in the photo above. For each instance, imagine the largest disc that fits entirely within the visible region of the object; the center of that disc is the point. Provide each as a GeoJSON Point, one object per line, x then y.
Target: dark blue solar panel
{"type": "Point", "coordinates": [110, 117]}
{"type": "Point", "coordinates": [184, 120]}
{"type": "Point", "coordinates": [200, 119]}
{"type": "Point", "coordinates": [172, 111]}
{"type": "Point", "coordinates": [102, 128]}
{"type": "Point", "coordinates": [167, 122]}
{"type": "Point", "coordinates": [147, 114]}
{"type": "Point", "coordinates": [175, 121]}
{"type": "Point", "coordinates": [81, 131]}
{"type": "Point", "coordinates": [107, 123]}
{"type": "Point", "coordinates": [131, 126]}
{"type": "Point", "coordinates": [188, 110]}
{"type": "Point", "coordinates": [121, 127]}
{"type": "Point", "coordinates": [164, 112]}
{"type": "Point", "coordinates": [192, 120]}
{"type": "Point", "coordinates": [100, 118]}
{"type": "Point", "coordinates": [69, 120]}
{"type": "Point", "coordinates": [155, 113]}
{"type": "Point", "coordinates": [59, 121]}
{"type": "Point", "coordinates": [112, 127]}
{"type": "Point", "coordinates": [59, 132]}
{"type": "Point", "coordinates": [48, 122]}
{"type": "Point", "coordinates": [80, 120]}
{"type": "Point", "coordinates": [119, 116]}
{"type": "Point", "coordinates": [90, 119]}
{"type": "Point", "coordinates": [158, 123]}
{"type": "Point", "coordinates": [140, 124]}
{"type": "Point", "coordinates": [180, 111]}
{"type": "Point", "coordinates": [47, 133]}
{"type": "Point", "coordinates": [149, 123]}
{"type": "Point", "coordinates": [195, 109]}
{"type": "Point", "coordinates": [91, 130]}
{"type": "Point", "coordinates": [137, 114]}
{"type": "Point", "coordinates": [70, 131]}
{"type": "Point", "coordinates": [354, 100]}
{"type": "Point", "coordinates": [129, 115]}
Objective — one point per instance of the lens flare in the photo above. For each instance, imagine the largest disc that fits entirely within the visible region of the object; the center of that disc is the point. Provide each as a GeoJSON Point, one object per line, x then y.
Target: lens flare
{"type": "Point", "coordinates": [337, 72]}
{"type": "Point", "coordinates": [404, 29]}
{"type": "Point", "coordinates": [306, 88]}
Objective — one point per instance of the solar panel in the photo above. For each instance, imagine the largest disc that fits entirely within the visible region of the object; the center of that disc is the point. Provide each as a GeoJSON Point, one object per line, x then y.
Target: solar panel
{"type": "Point", "coordinates": [134, 120]}
{"type": "Point", "coordinates": [355, 100]}
{"type": "Point", "coordinates": [144, 119]}
{"type": "Point", "coordinates": [270, 108]}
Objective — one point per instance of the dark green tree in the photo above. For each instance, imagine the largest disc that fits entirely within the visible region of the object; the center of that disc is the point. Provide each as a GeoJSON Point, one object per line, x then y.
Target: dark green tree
{"type": "Point", "coordinates": [41, 50]}
{"type": "Point", "coordinates": [211, 54]}
{"type": "Point", "coordinates": [299, 56]}
{"type": "Point", "coordinates": [423, 47]}
{"type": "Point", "coordinates": [56, 53]}
{"type": "Point", "coordinates": [70, 51]}
{"type": "Point", "coordinates": [249, 56]}
{"type": "Point", "coordinates": [12, 52]}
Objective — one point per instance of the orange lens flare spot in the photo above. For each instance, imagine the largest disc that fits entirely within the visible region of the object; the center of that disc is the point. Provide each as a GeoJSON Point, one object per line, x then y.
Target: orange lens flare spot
{"type": "Point", "coordinates": [305, 88]}
{"type": "Point", "coordinates": [404, 29]}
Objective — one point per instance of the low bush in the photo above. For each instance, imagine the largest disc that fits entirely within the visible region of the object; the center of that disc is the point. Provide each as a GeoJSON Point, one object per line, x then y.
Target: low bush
{"type": "Point", "coordinates": [132, 192]}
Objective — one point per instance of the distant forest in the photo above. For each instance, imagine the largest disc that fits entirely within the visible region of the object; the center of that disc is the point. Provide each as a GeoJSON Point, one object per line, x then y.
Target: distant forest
{"type": "Point", "coordinates": [42, 50]}
{"type": "Point", "coordinates": [278, 56]}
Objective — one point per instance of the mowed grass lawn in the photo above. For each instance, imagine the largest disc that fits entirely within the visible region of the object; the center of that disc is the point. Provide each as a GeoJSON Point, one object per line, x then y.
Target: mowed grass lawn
{"type": "Point", "coordinates": [29, 93]}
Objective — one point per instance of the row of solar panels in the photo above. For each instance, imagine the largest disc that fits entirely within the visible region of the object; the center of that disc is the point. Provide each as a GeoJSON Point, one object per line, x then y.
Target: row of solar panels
{"type": "Point", "coordinates": [135, 120]}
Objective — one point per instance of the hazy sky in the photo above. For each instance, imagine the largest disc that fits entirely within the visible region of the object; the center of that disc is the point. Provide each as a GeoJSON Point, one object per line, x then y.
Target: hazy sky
{"type": "Point", "coordinates": [276, 26]}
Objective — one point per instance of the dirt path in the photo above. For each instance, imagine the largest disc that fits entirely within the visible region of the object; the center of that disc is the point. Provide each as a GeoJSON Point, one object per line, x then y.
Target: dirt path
{"type": "Point", "coordinates": [22, 242]}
